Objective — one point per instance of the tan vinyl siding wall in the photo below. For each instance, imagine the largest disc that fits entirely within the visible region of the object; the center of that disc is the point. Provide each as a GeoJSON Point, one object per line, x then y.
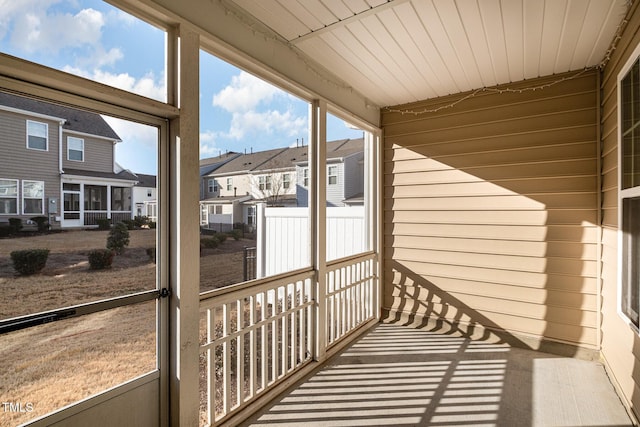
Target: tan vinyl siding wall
{"type": "Point", "coordinates": [620, 344]}
{"type": "Point", "coordinates": [98, 154]}
{"type": "Point", "coordinates": [490, 212]}
{"type": "Point", "coordinates": [18, 162]}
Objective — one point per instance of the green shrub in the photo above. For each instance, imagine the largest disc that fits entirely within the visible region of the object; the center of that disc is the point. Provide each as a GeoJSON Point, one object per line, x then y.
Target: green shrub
{"type": "Point", "coordinates": [15, 224]}
{"type": "Point", "coordinates": [139, 221]}
{"type": "Point", "coordinates": [152, 224]}
{"type": "Point", "coordinates": [104, 224]}
{"type": "Point", "coordinates": [131, 225]}
{"type": "Point", "coordinates": [99, 259]}
{"type": "Point", "coordinates": [210, 242]}
{"type": "Point", "coordinates": [42, 222]}
{"type": "Point", "coordinates": [118, 238]}
{"type": "Point", "coordinates": [29, 261]}
{"type": "Point", "coordinates": [151, 253]}
{"type": "Point", "coordinates": [221, 237]}
{"type": "Point", "coordinates": [236, 234]}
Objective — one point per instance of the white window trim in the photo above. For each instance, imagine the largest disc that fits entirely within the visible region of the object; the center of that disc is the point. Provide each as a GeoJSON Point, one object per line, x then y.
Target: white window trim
{"type": "Point", "coordinates": [329, 175]}
{"type": "Point", "coordinates": [286, 181]}
{"type": "Point", "coordinates": [623, 194]}
{"type": "Point", "coordinates": [211, 185]}
{"type": "Point", "coordinates": [69, 149]}
{"type": "Point", "coordinates": [24, 181]}
{"type": "Point", "coordinates": [17, 197]}
{"type": "Point", "coordinates": [229, 184]}
{"type": "Point", "coordinates": [46, 135]}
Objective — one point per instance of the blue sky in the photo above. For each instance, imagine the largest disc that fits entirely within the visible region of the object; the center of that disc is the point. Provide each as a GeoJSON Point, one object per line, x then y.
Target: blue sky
{"type": "Point", "coordinates": [92, 39]}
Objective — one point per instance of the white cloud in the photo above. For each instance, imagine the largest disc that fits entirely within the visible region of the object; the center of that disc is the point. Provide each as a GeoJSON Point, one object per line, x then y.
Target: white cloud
{"type": "Point", "coordinates": [36, 30]}
{"type": "Point", "coordinates": [251, 102]}
{"type": "Point", "coordinates": [131, 132]}
{"type": "Point", "coordinates": [208, 146]}
{"type": "Point", "coordinates": [267, 122]}
{"type": "Point", "coordinates": [148, 85]}
{"type": "Point", "coordinates": [12, 9]}
{"type": "Point", "coordinates": [244, 93]}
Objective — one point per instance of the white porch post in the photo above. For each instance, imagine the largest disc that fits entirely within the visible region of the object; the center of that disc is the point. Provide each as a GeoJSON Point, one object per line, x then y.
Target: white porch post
{"type": "Point", "coordinates": [184, 228]}
{"type": "Point", "coordinates": [318, 217]}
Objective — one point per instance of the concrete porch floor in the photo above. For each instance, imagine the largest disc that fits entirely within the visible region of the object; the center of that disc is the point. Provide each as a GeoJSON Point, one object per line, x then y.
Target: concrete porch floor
{"type": "Point", "coordinates": [395, 375]}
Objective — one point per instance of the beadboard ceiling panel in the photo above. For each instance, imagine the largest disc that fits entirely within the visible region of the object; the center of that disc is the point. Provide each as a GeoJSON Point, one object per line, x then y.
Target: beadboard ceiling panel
{"type": "Point", "coordinates": [400, 51]}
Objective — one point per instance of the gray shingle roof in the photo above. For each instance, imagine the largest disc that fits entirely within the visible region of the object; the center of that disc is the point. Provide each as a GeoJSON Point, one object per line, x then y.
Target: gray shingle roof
{"type": "Point", "coordinates": [280, 158]}
{"type": "Point", "coordinates": [248, 162]}
{"type": "Point", "coordinates": [210, 164]}
{"type": "Point", "coordinates": [146, 180]}
{"type": "Point", "coordinates": [77, 120]}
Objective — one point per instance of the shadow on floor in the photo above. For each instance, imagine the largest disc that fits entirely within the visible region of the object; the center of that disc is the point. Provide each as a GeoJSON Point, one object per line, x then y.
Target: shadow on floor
{"type": "Point", "coordinates": [397, 375]}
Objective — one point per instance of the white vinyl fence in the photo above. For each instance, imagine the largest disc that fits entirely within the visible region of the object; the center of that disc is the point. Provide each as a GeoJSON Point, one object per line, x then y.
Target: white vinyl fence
{"type": "Point", "coordinates": [283, 237]}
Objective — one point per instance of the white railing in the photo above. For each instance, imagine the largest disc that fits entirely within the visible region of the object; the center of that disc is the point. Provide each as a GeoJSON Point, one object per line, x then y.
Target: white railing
{"type": "Point", "coordinates": [256, 337]}
{"type": "Point", "coordinates": [351, 295]}
{"type": "Point", "coordinates": [260, 333]}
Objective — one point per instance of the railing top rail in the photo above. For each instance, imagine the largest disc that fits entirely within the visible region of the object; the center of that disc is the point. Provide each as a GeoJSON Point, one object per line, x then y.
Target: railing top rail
{"type": "Point", "coordinates": [234, 292]}
{"type": "Point", "coordinates": [343, 262]}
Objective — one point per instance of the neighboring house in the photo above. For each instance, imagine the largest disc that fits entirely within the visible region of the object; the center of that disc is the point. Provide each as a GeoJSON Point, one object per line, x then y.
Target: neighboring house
{"type": "Point", "coordinates": [277, 177]}
{"type": "Point", "coordinates": [345, 174]}
{"type": "Point", "coordinates": [231, 184]}
{"type": "Point", "coordinates": [59, 162]}
{"type": "Point", "coordinates": [208, 184]}
{"type": "Point", "coordinates": [145, 197]}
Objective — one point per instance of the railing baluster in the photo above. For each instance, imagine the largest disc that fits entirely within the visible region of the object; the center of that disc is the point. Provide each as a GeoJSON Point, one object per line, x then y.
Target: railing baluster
{"type": "Point", "coordinates": [226, 350]}
{"type": "Point", "coordinates": [253, 374]}
{"type": "Point", "coordinates": [263, 346]}
{"type": "Point", "coordinates": [211, 366]}
{"type": "Point", "coordinates": [240, 353]}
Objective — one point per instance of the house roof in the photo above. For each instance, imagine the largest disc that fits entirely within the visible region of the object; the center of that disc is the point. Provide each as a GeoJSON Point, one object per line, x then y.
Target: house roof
{"type": "Point", "coordinates": [146, 180]}
{"type": "Point", "coordinates": [76, 120]}
{"type": "Point", "coordinates": [125, 175]}
{"type": "Point", "coordinates": [247, 162]}
{"type": "Point", "coordinates": [285, 158]}
{"type": "Point", "coordinates": [346, 148]}
{"type": "Point", "coordinates": [210, 164]}
{"type": "Point", "coordinates": [403, 51]}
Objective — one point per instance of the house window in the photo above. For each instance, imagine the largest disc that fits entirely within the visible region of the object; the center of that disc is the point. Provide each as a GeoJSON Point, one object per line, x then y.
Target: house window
{"type": "Point", "coordinates": [218, 210]}
{"type": "Point", "coordinates": [75, 149]}
{"type": "Point", "coordinates": [251, 215]}
{"type": "Point", "coordinates": [121, 199]}
{"type": "Point", "coordinates": [629, 203]}
{"type": "Point", "coordinates": [33, 197]}
{"type": "Point", "coordinates": [212, 186]}
{"type": "Point", "coordinates": [264, 182]}
{"type": "Point", "coordinates": [305, 177]}
{"type": "Point", "coordinates": [8, 196]}
{"type": "Point", "coordinates": [229, 184]}
{"type": "Point", "coordinates": [332, 175]}
{"type": "Point", "coordinates": [286, 181]}
{"type": "Point", "coordinates": [95, 198]}
{"type": "Point", "coordinates": [37, 136]}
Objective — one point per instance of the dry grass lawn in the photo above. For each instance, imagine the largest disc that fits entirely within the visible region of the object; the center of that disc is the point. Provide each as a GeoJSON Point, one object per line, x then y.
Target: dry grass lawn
{"type": "Point", "coordinates": [56, 364]}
